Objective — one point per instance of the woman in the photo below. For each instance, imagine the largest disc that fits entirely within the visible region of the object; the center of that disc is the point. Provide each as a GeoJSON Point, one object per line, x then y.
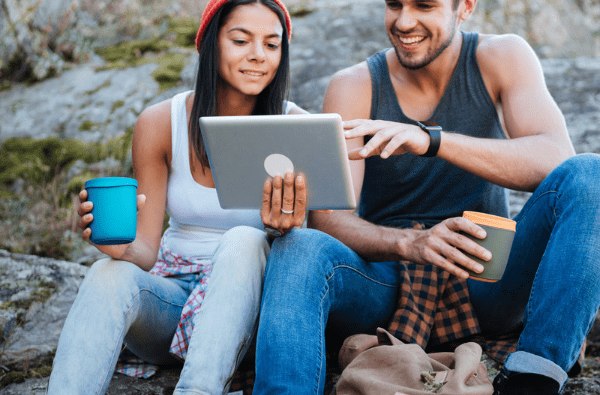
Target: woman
{"type": "Point", "coordinates": [170, 313]}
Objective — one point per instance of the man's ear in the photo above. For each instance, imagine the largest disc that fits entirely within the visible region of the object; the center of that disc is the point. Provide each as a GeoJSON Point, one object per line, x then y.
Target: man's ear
{"type": "Point", "coordinates": [466, 8]}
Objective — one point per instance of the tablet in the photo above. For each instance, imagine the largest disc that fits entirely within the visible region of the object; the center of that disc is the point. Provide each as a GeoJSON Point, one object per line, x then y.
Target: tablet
{"type": "Point", "coordinates": [243, 151]}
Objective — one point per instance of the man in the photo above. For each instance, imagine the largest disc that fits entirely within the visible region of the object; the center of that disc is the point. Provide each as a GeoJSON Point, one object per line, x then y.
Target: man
{"type": "Point", "coordinates": [500, 129]}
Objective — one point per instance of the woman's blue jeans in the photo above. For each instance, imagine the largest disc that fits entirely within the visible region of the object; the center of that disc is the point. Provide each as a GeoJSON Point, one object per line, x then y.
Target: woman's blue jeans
{"type": "Point", "coordinates": [317, 288]}
{"type": "Point", "coordinates": [119, 302]}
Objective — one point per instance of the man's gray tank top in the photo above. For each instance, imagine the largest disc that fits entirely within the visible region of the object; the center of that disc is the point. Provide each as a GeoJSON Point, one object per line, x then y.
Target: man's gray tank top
{"type": "Point", "coordinates": [428, 190]}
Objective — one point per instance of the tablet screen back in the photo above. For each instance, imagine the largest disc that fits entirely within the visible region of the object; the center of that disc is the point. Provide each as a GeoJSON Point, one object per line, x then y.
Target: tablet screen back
{"type": "Point", "coordinates": [244, 150]}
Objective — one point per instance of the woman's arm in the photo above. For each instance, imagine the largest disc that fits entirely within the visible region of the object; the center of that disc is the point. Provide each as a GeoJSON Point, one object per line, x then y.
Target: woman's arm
{"type": "Point", "coordinates": [151, 150]}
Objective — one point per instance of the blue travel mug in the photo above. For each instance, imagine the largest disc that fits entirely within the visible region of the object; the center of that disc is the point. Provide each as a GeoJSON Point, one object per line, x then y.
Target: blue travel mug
{"type": "Point", "coordinates": [114, 211]}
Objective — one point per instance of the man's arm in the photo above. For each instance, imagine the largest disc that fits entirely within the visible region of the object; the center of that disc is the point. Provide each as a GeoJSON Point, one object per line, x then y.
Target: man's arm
{"type": "Point", "coordinates": [377, 243]}
{"type": "Point", "coordinates": [538, 138]}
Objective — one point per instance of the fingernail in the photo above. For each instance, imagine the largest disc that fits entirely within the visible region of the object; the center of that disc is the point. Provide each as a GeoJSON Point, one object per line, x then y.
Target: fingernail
{"type": "Point", "coordinates": [384, 154]}
{"type": "Point", "coordinates": [481, 233]}
{"type": "Point", "coordinates": [300, 180]}
{"type": "Point", "coordinates": [487, 255]}
{"type": "Point", "coordinates": [478, 268]}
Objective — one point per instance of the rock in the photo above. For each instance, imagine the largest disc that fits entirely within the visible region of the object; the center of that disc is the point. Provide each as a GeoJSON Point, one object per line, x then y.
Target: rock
{"type": "Point", "coordinates": [36, 295]}
{"type": "Point", "coordinates": [29, 29]}
{"type": "Point", "coordinates": [43, 34]}
{"type": "Point", "coordinates": [82, 103]}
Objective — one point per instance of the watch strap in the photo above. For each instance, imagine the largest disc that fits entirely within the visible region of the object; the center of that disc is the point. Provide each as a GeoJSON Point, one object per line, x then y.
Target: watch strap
{"type": "Point", "coordinates": [435, 138]}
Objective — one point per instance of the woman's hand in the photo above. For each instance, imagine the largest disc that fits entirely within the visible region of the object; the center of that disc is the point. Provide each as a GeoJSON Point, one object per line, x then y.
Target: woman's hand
{"type": "Point", "coordinates": [84, 211]}
{"type": "Point", "coordinates": [283, 204]}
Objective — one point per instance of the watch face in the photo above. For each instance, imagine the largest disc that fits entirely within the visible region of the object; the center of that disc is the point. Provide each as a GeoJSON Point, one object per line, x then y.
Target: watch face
{"type": "Point", "coordinates": [430, 125]}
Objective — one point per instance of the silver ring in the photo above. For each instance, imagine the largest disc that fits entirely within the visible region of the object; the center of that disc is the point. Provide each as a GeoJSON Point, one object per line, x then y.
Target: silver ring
{"type": "Point", "coordinates": [273, 232]}
{"type": "Point", "coordinates": [287, 212]}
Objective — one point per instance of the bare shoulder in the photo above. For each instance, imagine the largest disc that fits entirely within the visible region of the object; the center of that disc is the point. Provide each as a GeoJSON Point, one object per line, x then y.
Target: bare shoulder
{"type": "Point", "coordinates": [349, 92]}
{"type": "Point", "coordinates": [152, 133]}
{"type": "Point", "coordinates": [354, 77]}
{"type": "Point", "coordinates": [505, 60]}
{"type": "Point", "coordinates": [157, 116]}
{"type": "Point", "coordinates": [502, 48]}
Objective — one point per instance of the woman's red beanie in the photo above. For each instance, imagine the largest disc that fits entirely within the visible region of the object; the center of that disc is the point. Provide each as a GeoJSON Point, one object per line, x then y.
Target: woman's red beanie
{"type": "Point", "coordinates": [213, 6]}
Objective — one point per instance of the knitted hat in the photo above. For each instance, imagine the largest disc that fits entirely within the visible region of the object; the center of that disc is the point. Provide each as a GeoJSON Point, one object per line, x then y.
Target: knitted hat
{"type": "Point", "coordinates": [213, 6]}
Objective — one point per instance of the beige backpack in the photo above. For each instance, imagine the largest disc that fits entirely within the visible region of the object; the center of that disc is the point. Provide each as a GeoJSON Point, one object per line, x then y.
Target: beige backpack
{"type": "Point", "coordinates": [383, 365]}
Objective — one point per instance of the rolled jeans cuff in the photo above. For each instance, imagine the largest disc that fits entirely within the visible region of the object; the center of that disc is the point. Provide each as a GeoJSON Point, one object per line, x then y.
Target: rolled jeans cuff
{"type": "Point", "coordinates": [524, 362]}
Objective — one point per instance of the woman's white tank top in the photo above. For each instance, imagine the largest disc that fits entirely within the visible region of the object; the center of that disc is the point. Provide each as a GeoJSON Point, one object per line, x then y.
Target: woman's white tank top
{"type": "Point", "coordinates": [196, 221]}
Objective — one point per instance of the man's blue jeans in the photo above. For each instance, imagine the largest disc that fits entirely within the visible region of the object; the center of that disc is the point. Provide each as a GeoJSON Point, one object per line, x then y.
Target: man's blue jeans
{"type": "Point", "coordinates": [317, 288]}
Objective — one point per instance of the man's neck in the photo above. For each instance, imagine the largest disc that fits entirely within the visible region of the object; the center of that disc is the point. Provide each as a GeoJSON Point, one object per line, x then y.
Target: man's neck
{"type": "Point", "coordinates": [419, 91]}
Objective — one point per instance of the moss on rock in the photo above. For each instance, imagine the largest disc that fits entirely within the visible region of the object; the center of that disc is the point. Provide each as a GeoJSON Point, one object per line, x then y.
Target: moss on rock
{"type": "Point", "coordinates": [42, 291]}
{"type": "Point", "coordinates": [116, 105]}
{"type": "Point", "coordinates": [185, 30]}
{"type": "Point", "coordinates": [77, 183]}
{"type": "Point", "coordinates": [131, 51]}
{"type": "Point", "coordinates": [168, 73]}
{"type": "Point", "coordinates": [32, 369]}
{"type": "Point", "coordinates": [40, 160]}
{"type": "Point", "coordinates": [86, 126]}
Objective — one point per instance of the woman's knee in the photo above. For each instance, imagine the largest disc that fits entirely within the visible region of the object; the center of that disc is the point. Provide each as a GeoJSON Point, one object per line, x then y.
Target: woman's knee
{"type": "Point", "coordinates": [110, 276]}
{"type": "Point", "coordinates": [245, 237]}
{"type": "Point", "coordinates": [242, 246]}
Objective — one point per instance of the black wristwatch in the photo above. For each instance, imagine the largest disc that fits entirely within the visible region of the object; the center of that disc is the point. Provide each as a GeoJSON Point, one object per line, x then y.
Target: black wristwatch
{"type": "Point", "coordinates": [435, 138]}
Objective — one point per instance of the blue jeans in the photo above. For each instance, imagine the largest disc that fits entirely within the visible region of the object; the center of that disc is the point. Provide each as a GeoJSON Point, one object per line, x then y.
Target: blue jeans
{"type": "Point", "coordinates": [119, 302]}
{"type": "Point", "coordinates": [552, 281]}
{"type": "Point", "coordinates": [314, 280]}
{"type": "Point", "coordinates": [316, 287]}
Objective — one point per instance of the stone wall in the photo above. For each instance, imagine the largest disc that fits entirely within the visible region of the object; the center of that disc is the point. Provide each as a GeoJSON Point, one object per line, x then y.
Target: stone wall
{"type": "Point", "coordinates": [38, 37]}
{"type": "Point", "coordinates": [555, 28]}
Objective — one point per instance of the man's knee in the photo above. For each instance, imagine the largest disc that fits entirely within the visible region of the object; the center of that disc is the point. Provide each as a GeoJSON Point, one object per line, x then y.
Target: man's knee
{"type": "Point", "coordinates": [303, 252]}
{"type": "Point", "coordinates": [580, 175]}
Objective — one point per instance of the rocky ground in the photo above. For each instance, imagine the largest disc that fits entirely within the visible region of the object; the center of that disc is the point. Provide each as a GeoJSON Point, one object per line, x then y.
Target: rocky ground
{"type": "Point", "coordinates": [91, 105]}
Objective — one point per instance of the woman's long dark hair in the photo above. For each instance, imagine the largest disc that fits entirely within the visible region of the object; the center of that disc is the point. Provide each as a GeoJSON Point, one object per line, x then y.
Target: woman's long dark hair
{"type": "Point", "coordinates": [269, 101]}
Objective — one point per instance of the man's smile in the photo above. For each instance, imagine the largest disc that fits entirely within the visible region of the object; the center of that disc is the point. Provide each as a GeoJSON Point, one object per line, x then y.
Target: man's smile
{"type": "Point", "coordinates": [410, 42]}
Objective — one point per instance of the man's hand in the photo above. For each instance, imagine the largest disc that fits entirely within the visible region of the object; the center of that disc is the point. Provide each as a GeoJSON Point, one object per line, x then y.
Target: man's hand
{"type": "Point", "coordinates": [442, 244]}
{"type": "Point", "coordinates": [389, 138]}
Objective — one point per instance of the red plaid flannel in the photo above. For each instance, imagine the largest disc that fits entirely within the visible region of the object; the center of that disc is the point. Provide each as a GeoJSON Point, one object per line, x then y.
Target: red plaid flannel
{"type": "Point", "coordinates": [434, 309]}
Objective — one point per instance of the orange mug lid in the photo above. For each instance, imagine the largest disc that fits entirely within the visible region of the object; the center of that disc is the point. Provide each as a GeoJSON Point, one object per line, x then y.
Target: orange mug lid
{"type": "Point", "coordinates": [490, 220]}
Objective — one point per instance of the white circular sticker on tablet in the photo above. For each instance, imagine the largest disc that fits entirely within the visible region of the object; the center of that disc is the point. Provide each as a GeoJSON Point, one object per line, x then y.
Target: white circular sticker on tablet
{"type": "Point", "coordinates": [278, 165]}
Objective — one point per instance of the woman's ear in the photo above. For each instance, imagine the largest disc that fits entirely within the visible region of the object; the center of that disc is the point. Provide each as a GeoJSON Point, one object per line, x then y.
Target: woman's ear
{"type": "Point", "coordinates": [466, 8]}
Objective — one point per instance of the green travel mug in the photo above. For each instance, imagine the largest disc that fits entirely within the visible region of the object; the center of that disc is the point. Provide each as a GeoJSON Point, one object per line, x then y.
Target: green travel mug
{"type": "Point", "coordinates": [500, 235]}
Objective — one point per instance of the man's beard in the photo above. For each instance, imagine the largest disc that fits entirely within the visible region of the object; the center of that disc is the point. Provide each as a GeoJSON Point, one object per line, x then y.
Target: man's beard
{"type": "Point", "coordinates": [429, 57]}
